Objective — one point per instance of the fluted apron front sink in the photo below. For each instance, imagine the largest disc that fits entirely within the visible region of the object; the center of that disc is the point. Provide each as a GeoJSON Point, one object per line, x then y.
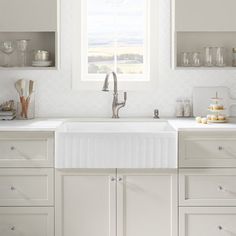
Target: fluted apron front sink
{"type": "Point", "coordinates": [116, 145]}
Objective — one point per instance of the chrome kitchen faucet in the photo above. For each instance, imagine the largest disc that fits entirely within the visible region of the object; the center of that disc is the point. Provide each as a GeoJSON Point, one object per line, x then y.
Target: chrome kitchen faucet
{"type": "Point", "coordinates": [116, 105]}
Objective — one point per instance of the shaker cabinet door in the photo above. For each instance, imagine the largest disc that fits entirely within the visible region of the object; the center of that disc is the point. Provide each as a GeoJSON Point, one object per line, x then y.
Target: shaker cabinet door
{"type": "Point", "coordinates": [205, 15]}
{"type": "Point", "coordinates": [85, 203]}
{"type": "Point", "coordinates": [28, 15]}
{"type": "Point", "coordinates": [146, 203]}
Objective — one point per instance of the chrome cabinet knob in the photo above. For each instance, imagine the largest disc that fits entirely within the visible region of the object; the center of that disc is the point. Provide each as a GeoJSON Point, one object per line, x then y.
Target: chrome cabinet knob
{"type": "Point", "coordinates": [12, 148]}
{"type": "Point", "coordinates": [119, 179]}
{"type": "Point", "coordinates": [220, 148]}
{"type": "Point", "coordinates": [113, 179]}
{"type": "Point", "coordinates": [13, 228]}
{"type": "Point", "coordinates": [220, 188]}
{"type": "Point", "coordinates": [13, 188]}
{"type": "Point", "coordinates": [220, 227]}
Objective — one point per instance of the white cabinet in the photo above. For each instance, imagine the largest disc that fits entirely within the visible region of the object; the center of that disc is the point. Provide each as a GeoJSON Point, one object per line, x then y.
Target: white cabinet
{"type": "Point", "coordinates": [207, 149]}
{"type": "Point", "coordinates": [207, 195]}
{"type": "Point", "coordinates": [207, 221]}
{"type": "Point", "coordinates": [205, 15]}
{"type": "Point", "coordinates": [26, 149]}
{"type": "Point", "coordinates": [131, 203]}
{"type": "Point", "coordinates": [26, 194]}
{"type": "Point", "coordinates": [207, 187]}
{"type": "Point", "coordinates": [26, 187]}
{"type": "Point", "coordinates": [26, 221]}
{"type": "Point", "coordinates": [146, 203]}
{"type": "Point", "coordinates": [202, 23]}
{"type": "Point", "coordinates": [85, 203]}
{"type": "Point", "coordinates": [28, 15]}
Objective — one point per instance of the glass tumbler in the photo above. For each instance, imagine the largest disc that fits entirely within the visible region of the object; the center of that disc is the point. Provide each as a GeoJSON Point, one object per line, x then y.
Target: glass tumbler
{"type": "Point", "coordinates": [22, 51]}
{"type": "Point", "coordinates": [220, 56]}
{"type": "Point", "coordinates": [185, 59]}
{"type": "Point", "coordinates": [26, 108]}
{"type": "Point", "coordinates": [208, 56]}
{"type": "Point", "coordinates": [196, 59]}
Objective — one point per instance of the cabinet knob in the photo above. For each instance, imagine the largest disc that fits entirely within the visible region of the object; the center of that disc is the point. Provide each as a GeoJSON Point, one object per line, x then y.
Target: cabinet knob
{"type": "Point", "coordinates": [12, 148]}
{"type": "Point", "coordinates": [220, 188]}
{"type": "Point", "coordinates": [13, 228]}
{"type": "Point", "coordinates": [13, 188]}
{"type": "Point", "coordinates": [220, 227]}
{"type": "Point", "coordinates": [119, 179]}
{"type": "Point", "coordinates": [220, 148]}
{"type": "Point", "coordinates": [113, 179]}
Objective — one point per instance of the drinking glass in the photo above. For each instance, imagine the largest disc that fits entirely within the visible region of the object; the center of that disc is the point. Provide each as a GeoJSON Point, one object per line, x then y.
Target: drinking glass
{"type": "Point", "coordinates": [185, 59]}
{"type": "Point", "coordinates": [22, 51]}
{"type": "Point", "coordinates": [7, 47]}
{"type": "Point", "coordinates": [196, 59]}
{"type": "Point", "coordinates": [220, 56]}
{"type": "Point", "coordinates": [208, 56]}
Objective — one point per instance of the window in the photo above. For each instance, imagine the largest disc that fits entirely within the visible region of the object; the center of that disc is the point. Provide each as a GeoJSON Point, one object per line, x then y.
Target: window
{"type": "Point", "coordinates": [114, 36]}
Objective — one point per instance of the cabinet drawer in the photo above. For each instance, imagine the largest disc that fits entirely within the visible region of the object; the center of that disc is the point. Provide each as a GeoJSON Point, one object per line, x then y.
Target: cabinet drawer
{"type": "Point", "coordinates": [26, 187]}
{"type": "Point", "coordinates": [212, 187]}
{"type": "Point", "coordinates": [207, 149]}
{"type": "Point", "coordinates": [22, 221]}
{"type": "Point", "coordinates": [26, 149]}
{"type": "Point", "coordinates": [207, 221]}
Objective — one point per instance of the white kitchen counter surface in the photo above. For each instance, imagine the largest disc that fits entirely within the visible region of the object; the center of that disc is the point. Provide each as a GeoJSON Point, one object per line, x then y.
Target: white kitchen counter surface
{"type": "Point", "coordinates": [31, 125]}
{"type": "Point", "coordinates": [52, 124]}
{"type": "Point", "coordinates": [192, 125]}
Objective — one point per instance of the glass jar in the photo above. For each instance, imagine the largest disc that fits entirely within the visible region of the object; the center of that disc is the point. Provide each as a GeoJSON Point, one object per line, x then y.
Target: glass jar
{"type": "Point", "coordinates": [208, 56]}
{"type": "Point", "coordinates": [179, 110]}
{"type": "Point", "coordinates": [185, 59]}
{"type": "Point", "coordinates": [187, 108]}
{"type": "Point", "coordinates": [196, 59]}
{"type": "Point", "coordinates": [220, 56]}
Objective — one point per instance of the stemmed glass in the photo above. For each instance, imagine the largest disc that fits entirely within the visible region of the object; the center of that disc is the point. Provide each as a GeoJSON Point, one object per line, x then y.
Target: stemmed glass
{"type": "Point", "coordinates": [7, 47]}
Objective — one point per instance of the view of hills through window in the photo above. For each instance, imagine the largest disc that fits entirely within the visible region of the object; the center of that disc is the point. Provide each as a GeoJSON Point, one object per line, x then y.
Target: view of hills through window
{"type": "Point", "coordinates": [116, 36]}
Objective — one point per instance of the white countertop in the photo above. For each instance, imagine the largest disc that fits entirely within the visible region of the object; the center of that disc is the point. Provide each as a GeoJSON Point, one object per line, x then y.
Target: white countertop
{"type": "Point", "coordinates": [192, 125]}
{"type": "Point", "coordinates": [31, 125]}
{"type": "Point", "coordinates": [52, 124]}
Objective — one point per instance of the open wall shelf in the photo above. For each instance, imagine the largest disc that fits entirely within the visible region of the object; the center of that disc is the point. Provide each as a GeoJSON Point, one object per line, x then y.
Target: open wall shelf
{"type": "Point", "coordinates": [38, 41]}
{"type": "Point", "coordinates": [196, 41]}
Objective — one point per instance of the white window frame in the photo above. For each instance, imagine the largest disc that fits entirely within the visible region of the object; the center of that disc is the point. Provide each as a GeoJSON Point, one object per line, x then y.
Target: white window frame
{"type": "Point", "coordinates": [125, 82]}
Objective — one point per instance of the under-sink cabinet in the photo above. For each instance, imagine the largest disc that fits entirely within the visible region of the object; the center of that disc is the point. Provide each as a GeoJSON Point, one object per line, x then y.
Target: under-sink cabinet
{"type": "Point", "coordinates": [116, 202]}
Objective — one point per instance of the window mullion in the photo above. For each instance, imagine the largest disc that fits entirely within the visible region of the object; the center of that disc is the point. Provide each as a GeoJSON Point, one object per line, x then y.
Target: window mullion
{"type": "Point", "coordinates": [115, 39]}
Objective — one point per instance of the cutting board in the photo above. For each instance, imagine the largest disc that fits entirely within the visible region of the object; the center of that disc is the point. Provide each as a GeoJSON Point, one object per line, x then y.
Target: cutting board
{"type": "Point", "coordinates": [202, 99]}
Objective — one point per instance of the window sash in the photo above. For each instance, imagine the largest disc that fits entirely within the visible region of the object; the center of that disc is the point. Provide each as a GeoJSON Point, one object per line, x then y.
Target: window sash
{"type": "Point", "coordinates": [85, 76]}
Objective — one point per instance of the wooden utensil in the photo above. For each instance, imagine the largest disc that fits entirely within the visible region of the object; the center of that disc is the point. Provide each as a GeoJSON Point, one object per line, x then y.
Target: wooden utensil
{"type": "Point", "coordinates": [30, 92]}
{"type": "Point", "coordinates": [20, 87]}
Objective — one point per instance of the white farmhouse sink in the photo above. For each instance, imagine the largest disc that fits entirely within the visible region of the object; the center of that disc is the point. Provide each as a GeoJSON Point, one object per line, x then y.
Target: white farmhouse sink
{"type": "Point", "coordinates": [116, 145]}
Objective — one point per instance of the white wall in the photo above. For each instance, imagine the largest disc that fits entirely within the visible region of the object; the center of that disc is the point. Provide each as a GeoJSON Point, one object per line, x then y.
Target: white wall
{"type": "Point", "coordinates": [55, 97]}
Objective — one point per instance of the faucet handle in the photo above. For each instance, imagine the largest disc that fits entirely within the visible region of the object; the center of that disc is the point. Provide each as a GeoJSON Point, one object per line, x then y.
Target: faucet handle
{"type": "Point", "coordinates": [125, 96]}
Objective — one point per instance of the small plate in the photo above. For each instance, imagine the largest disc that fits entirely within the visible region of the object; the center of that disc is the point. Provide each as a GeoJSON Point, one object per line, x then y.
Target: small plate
{"type": "Point", "coordinates": [217, 121]}
{"type": "Point", "coordinates": [41, 63]}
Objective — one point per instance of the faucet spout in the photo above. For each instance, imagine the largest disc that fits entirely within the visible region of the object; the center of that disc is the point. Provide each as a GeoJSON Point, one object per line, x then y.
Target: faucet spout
{"type": "Point", "coordinates": [116, 105]}
{"type": "Point", "coordinates": [106, 82]}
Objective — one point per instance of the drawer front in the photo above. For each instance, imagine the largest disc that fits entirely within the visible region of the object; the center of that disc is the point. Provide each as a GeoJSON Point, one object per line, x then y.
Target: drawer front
{"type": "Point", "coordinates": [207, 187]}
{"type": "Point", "coordinates": [26, 149]}
{"type": "Point", "coordinates": [31, 221]}
{"type": "Point", "coordinates": [207, 149]}
{"type": "Point", "coordinates": [207, 221]}
{"type": "Point", "coordinates": [26, 187]}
